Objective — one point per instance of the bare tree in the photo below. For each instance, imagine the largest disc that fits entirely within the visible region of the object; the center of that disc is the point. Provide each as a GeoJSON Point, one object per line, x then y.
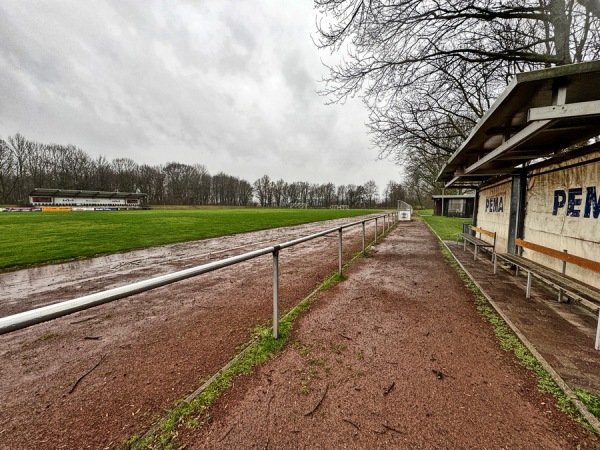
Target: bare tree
{"type": "Point", "coordinates": [263, 190]}
{"type": "Point", "coordinates": [151, 181]}
{"type": "Point", "coordinates": [428, 70]}
{"type": "Point", "coordinates": [371, 193]}
{"type": "Point", "coordinates": [125, 174]}
{"type": "Point", "coordinates": [279, 189]}
{"type": "Point", "coordinates": [6, 172]}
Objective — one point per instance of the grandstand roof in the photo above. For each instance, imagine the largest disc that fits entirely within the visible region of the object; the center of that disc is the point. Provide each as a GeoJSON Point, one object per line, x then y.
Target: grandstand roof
{"type": "Point", "coordinates": [87, 194]}
{"type": "Point", "coordinates": [539, 114]}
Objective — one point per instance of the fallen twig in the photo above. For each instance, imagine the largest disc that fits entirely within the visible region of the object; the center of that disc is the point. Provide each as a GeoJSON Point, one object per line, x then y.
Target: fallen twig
{"type": "Point", "coordinates": [389, 388]}
{"type": "Point", "coordinates": [84, 320]}
{"type": "Point", "coordinates": [389, 427]}
{"type": "Point", "coordinates": [345, 337]}
{"type": "Point", "coordinates": [352, 423]}
{"type": "Point", "coordinates": [227, 434]}
{"type": "Point", "coordinates": [85, 375]}
{"type": "Point", "coordinates": [441, 375]}
{"type": "Point", "coordinates": [92, 338]}
{"type": "Point", "coordinates": [320, 401]}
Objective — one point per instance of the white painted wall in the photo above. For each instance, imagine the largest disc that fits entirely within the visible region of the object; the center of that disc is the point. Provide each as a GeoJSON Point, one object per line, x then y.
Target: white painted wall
{"type": "Point", "coordinates": [557, 217]}
{"type": "Point", "coordinates": [494, 211]}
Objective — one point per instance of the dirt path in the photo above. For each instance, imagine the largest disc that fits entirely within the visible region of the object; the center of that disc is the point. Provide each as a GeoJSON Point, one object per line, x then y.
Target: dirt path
{"type": "Point", "coordinates": [394, 357]}
{"type": "Point", "coordinates": [95, 378]}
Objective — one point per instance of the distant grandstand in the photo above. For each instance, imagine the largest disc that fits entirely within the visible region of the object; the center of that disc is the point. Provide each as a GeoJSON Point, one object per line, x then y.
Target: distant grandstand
{"type": "Point", "coordinates": [85, 200]}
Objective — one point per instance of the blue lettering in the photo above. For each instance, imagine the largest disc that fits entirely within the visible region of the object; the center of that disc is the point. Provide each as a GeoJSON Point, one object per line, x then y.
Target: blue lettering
{"type": "Point", "coordinates": [559, 200]}
{"type": "Point", "coordinates": [487, 204]}
{"type": "Point", "coordinates": [500, 205]}
{"type": "Point", "coordinates": [592, 203]}
{"type": "Point", "coordinates": [573, 202]}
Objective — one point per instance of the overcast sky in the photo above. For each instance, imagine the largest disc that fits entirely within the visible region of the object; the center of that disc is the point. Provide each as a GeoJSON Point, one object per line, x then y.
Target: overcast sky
{"type": "Point", "coordinates": [228, 84]}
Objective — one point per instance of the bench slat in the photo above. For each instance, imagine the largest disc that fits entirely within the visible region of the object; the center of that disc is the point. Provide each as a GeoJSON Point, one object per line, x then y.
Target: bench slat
{"type": "Point", "coordinates": [556, 279]}
{"type": "Point", "coordinates": [482, 231]}
{"type": "Point", "coordinates": [472, 239]}
{"type": "Point", "coordinates": [573, 259]}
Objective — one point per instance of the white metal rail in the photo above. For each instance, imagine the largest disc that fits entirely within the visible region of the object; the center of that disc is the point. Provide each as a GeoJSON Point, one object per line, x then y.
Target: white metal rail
{"type": "Point", "coordinates": [49, 312]}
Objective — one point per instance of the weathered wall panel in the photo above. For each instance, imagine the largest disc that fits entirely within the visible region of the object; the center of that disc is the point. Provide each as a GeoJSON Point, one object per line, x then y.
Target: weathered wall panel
{"type": "Point", "coordinates": [494, 212]}
{"type": "Point", "coordinates": [563, 213]}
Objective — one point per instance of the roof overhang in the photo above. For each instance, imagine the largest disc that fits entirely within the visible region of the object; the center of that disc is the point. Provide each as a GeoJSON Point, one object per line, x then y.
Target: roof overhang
{"type": "Point", "coordinates": [73, 193]}
{"type": "Point", "coordinates": [539, 114]}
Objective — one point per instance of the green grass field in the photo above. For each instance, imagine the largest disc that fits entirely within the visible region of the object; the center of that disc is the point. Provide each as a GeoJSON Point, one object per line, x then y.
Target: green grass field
{"type": "Point", "coordinates": [36, 238]}
{"type": "Point", "coordinates": [445, 227]}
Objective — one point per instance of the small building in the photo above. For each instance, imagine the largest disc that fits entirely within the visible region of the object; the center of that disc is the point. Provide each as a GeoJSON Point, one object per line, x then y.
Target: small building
{"type": "Point", "coordinates": [454, 205]}
{"type": "Point", "coordinates": [85, 200]}
{"type": "Point", "coordinates": [534, 162]}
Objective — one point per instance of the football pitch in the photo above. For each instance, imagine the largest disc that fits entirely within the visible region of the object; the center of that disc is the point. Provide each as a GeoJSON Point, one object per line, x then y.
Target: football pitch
{"type": "Point", "coordinates": [35, 238]}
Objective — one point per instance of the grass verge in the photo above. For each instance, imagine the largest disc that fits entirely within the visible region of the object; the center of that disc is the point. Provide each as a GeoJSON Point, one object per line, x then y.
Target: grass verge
{"type": "Point", "coordinates": [446, 227]}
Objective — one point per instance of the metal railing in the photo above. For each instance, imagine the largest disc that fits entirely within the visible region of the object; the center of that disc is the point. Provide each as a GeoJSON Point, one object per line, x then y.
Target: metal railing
{"type": "Point", "coordinates": [49, 312]}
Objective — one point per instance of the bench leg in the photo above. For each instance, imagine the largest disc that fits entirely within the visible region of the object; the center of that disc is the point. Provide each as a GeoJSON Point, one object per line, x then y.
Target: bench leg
{"type": "Point", "coordinates": [562, 298]}
{"type": "Point", "coordinates": [475, 253]}
{"type": "Point", "coordinates": [516, 271]}
{"type": "Point", "coordinates": [528, 284]}
{"type": "Point", "coordinates": [464, 245]}
{"type": "Point", "coordinates": [598, 333]}
{"type": "Point", "coordinates": [495, 264]}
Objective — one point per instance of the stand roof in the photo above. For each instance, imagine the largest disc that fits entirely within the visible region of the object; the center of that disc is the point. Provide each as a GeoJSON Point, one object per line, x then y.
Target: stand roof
{"type": "Point", "coordinates": [539, 114]}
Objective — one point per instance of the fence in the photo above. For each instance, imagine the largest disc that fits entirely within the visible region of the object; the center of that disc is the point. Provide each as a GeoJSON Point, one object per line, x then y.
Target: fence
{"type": "Point", "coordinates": [49, 312]}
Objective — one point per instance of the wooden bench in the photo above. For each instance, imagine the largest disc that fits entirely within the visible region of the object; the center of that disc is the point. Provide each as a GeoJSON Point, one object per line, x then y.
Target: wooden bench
{"type": "Point", "coordinates": [467, 237]}
{"type": "Point", "coordinates": [587, 295]}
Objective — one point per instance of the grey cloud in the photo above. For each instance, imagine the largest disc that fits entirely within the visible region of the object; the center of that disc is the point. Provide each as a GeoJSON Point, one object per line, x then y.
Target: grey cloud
{"type": "Point", "coordinates": [229, 85]}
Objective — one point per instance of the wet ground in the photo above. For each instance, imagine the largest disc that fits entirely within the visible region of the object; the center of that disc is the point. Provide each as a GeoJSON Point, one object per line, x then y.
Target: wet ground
{"type": "Point", "coordinates": [396, 356]}
{"type": "Point", "coordinates": [563, 333]}
{"type": "Point", "coordinates": [393, 357]}
{"type": "Point", "coordinates": [95, 378]}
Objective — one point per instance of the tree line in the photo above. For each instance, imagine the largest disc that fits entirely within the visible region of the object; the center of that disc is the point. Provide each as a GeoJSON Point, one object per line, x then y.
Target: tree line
{"type": "Point", "coordinates": [25, 165]}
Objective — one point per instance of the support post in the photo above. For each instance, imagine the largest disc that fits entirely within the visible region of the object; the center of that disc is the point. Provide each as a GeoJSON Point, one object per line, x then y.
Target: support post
{"type": "Point", "coordinates": [340, 253]}
{"type": "Point", "coordinates": [376, 230]}
{"type": "Point", "coordinates": [276, 292]}
{"type": "Point", "coordinates": [528, 284]}
{"type": "Point", "coordinates": [363, 238]}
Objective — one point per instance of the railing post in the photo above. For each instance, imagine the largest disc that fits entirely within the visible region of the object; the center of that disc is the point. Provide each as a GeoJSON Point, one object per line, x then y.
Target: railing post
{"type": "Point", "coordinates": [376, 230]}
{"type": "Point", "coordinates": [363, 237]}
{"type": "Point", "coordinates": [340, 253]}
{"type": "Point", "coordinates": [276, 292]}
{"type": "Point", "coordinates": [383, 229]}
